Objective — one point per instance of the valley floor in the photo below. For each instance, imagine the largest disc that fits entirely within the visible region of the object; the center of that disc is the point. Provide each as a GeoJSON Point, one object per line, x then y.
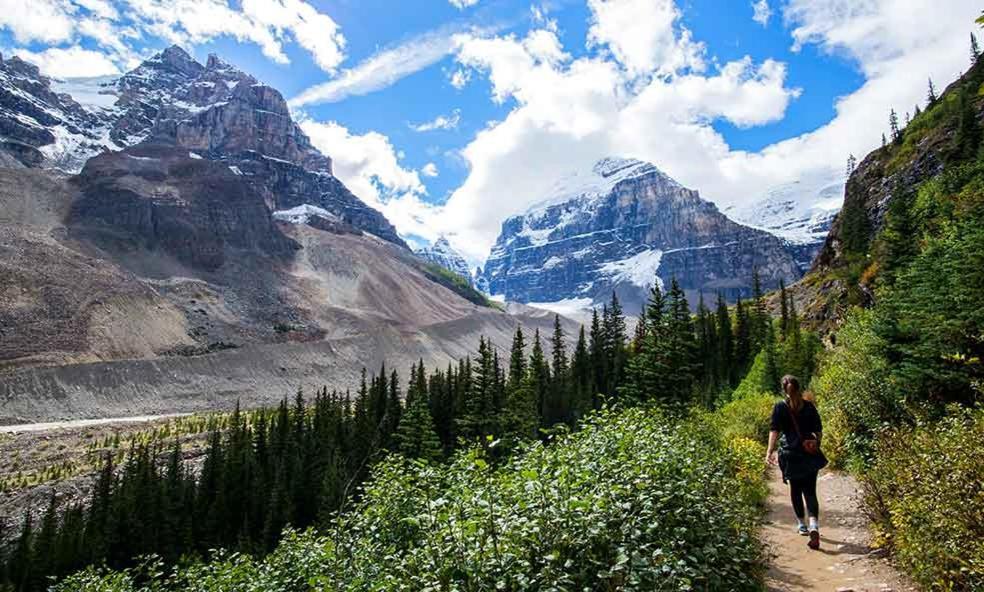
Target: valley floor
{"type": "Point", "coordinates": [845, 561]}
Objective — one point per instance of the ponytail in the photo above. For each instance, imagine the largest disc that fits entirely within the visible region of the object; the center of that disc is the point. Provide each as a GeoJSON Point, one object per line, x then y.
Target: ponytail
{"type": "Point", "coordinates": [791, 387]}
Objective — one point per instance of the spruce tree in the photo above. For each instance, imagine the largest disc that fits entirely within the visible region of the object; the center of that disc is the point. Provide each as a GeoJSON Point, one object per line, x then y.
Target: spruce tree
{"type": "Point", "coordinates": [930, 94]}
{"type": "Point", "coordinates": [726, 343]}
{"type": "Point", "coordinates": [967, 140]}
{"type": "Point", "coordinates": [557, 407]}
{"type": "Point", "coordinates": [975, 50]}
{"type": "Point", "coordinates": [596, 348]}
{"type": "Point", "coordinates": [784, 308]}
{"type": "Point", "coordinates": [772, 372]}
{"type": "Point", "coordinates": [893, 125]}
{"type": "Point", "coordinates": [647, 374]}
{"type": "Point", "coordinates": [681, 346]}
{"type": "Point", "coordinates": [415, 436]}
{"type": "Point", "coordinates": [539, 378]}
{"type": "Point", "coordinates": [582, 383]}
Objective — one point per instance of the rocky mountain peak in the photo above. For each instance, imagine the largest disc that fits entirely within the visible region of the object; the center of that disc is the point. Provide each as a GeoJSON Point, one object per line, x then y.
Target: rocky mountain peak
{"type": "Point", "coordinates": [443, 254]}
{"type": "Point", "coordinates": [176, 59]}
{"type": "Point", "coordinates": [621, 226]}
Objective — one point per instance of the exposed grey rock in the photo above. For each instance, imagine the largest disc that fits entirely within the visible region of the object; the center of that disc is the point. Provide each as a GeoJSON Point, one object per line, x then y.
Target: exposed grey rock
{"type": "Point", "coordinates": [620, 227]}
{"type": "Point", "coordinates": [40, 127]}
{"type": "Point", "coordinates": [443, 254]}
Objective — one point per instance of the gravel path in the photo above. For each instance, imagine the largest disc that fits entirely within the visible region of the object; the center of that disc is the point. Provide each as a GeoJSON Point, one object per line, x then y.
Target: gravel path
{"type": "Point", "coordinates": [845, 561]}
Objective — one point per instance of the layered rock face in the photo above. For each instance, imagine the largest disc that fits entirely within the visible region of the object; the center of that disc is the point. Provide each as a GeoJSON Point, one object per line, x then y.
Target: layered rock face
{"type": "Point", "coordinates": [619, 228]}
{"type": "Point", "coordinates": [443, 254]}
{"type": "Point", "coordinates": [39, 126]}
{"type": "Point", "coordinates": [161, 198]}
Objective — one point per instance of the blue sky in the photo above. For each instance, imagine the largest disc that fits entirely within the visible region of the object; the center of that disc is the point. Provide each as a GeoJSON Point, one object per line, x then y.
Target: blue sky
{"type": "Point", "coordinates": [450, 115]}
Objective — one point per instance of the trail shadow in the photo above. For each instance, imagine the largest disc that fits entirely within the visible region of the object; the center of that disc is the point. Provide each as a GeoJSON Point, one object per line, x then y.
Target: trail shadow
{"type": "Point", "coordinates": [780, 580]}
{"type": "Point", "coordinates": [843, 547]}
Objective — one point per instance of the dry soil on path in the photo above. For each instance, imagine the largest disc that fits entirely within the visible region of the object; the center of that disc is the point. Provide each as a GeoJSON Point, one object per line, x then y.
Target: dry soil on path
{"type": "Point", "coordinates": [845, 560]}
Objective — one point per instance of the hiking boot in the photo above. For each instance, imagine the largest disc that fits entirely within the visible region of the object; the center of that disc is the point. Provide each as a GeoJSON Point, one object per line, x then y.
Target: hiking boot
{"type": "Point", "coordinates": [814, 540]}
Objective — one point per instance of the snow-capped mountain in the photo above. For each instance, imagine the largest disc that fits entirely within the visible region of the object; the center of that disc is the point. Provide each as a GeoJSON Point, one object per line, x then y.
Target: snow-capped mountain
{"type": "Point", "coordinates": [215, 111]}
{"type": "Point", "coordinates": [800, 212]}
{"type": "Point", "coordinates": [621, 226]}
{"type": "Point", "coordinates": [443, 254]}
{"type": "Point", "coordinates": [41, 125]}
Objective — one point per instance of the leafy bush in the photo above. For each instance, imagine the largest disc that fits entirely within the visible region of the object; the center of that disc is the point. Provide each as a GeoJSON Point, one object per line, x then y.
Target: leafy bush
{"type": "Point", "coordinates": [746, 417]}
{"type": "Point", "coordinates": [630, 502]}
{"type": "Point", "coordinates": [925, 495]}
{"type": "Point", "coordinates": [854, 392]}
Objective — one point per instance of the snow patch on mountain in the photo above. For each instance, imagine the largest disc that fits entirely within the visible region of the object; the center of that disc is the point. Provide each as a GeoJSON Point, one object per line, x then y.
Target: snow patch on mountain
{"type": "Point", "coordinates": [800, 211]}
{"type": "Point", "coordinates": [572, 308]}
{"type": "Point", "coordinates": [443, 254]}
{"type": "Point", "coordinates": [302, 214]}
{"type": "Point", "coordinates": [598, 182]}
{"type": "Point", "coordinates": [638, 270]}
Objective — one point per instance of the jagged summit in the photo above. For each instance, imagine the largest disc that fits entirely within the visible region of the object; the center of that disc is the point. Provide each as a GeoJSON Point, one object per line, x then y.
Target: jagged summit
{"type": "Point", "coordinates": [620, 226]}
{"type": "Point", "coordinates": [443, 254]}
{"type": "Point", "coordinates": [603, 177]}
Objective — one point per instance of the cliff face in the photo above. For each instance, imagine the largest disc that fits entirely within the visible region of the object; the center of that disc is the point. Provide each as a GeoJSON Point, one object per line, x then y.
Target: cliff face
{"type": "Point", "coordinates": [620, 227]}
{"type": "Point", "coordinates": [39, 126]}
{"type": "Point", "coordinates": [194, 209]}
{"type": "Point", "coordinates": [847, 268]}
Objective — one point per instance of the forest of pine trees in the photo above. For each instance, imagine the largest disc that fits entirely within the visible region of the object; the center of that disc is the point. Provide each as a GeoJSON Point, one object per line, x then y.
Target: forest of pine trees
{"type": "Point", "coordinates": [300, 463]}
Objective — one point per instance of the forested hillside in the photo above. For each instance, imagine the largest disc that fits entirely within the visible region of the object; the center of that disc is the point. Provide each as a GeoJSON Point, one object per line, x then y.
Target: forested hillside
{"type": "Point", "coordinates": [902, 387]}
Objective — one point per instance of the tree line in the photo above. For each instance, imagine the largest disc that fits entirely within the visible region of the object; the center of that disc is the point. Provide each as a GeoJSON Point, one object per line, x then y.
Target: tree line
{"type": "Point", "coordinates": [299, 464]}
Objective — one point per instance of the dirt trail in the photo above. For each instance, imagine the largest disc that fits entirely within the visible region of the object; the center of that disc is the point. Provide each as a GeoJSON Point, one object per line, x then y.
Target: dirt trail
{"type": "Point", "coordinates": [83, 423]}
{"type": "Point", "coordinates": [845, 561]}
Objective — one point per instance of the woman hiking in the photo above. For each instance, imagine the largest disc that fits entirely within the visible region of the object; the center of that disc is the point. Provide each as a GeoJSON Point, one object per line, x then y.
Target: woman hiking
{"type": "Point", "coordinates": [800, 459]}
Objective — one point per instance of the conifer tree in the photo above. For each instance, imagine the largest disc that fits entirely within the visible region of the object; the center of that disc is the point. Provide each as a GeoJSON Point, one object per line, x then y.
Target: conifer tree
{"type": "Point", "coordinates": [582, 377]}
{"type": "Point", "coordinates": [975, 50]}
{"type": "Point", "coordinates": [415, 436]}
{"type": "Point", "coordinates": [596, 348]}
{"type": "Point", "coordinates": [851, 164]}
{"type": "Point", "coordinates": [539, 377]}
{"type": "Point", "coordinates": [930, 94]}
{"type": "Point", "coordinates": [893, 125]}
{"type": "Point", "coordinates": [726, 343]}
{"type": "Point", "coordinates": [744, 346]}
{"type": "Point", "coordinates": [784, 308]}
{"type": "Point", "coordinates": [680, 346]}
{"type": "Point", "coordinates": [517, 359]}
{"type": "Point", "coordinates": [967, 140]}
{"type": "Point", "coordinates": [772, 372]}
{"type": "Point", "coordinates": [613, 328]}
{"type": "Point", "coordinates": [647, 374]}
{"type": "Point", "coordinates": [557, 406]}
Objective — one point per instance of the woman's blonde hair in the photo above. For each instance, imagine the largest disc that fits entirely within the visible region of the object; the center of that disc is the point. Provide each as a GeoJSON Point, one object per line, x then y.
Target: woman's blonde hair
{"type": "Point", "coordinates": [791, 388]}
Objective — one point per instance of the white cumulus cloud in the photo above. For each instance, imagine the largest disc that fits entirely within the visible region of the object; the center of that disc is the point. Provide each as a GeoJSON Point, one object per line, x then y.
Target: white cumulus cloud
{"type": "Point", "coordinates": [761, 12]}
{"type": "Point", "coordinates": [429, 170]}
{"type": "Point", "coordinates": [70, 62]}
{"type": "Point", "coordinates": [648, 97]}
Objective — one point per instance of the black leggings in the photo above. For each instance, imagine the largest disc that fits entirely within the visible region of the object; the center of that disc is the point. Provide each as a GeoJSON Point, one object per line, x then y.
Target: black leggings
{"type": "Point", "coordinates": [805, 488]}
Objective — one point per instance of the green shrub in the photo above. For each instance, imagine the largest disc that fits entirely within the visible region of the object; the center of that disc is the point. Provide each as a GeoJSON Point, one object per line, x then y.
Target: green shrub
{"type": "Point", "coordinates": [747, 417]}
{"type": "Point", "coordinates": [630, 502]}
{"type": "Point", "coordinates": [925, 494]}
{"type": "Point", "coordinates": [854, 392]}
